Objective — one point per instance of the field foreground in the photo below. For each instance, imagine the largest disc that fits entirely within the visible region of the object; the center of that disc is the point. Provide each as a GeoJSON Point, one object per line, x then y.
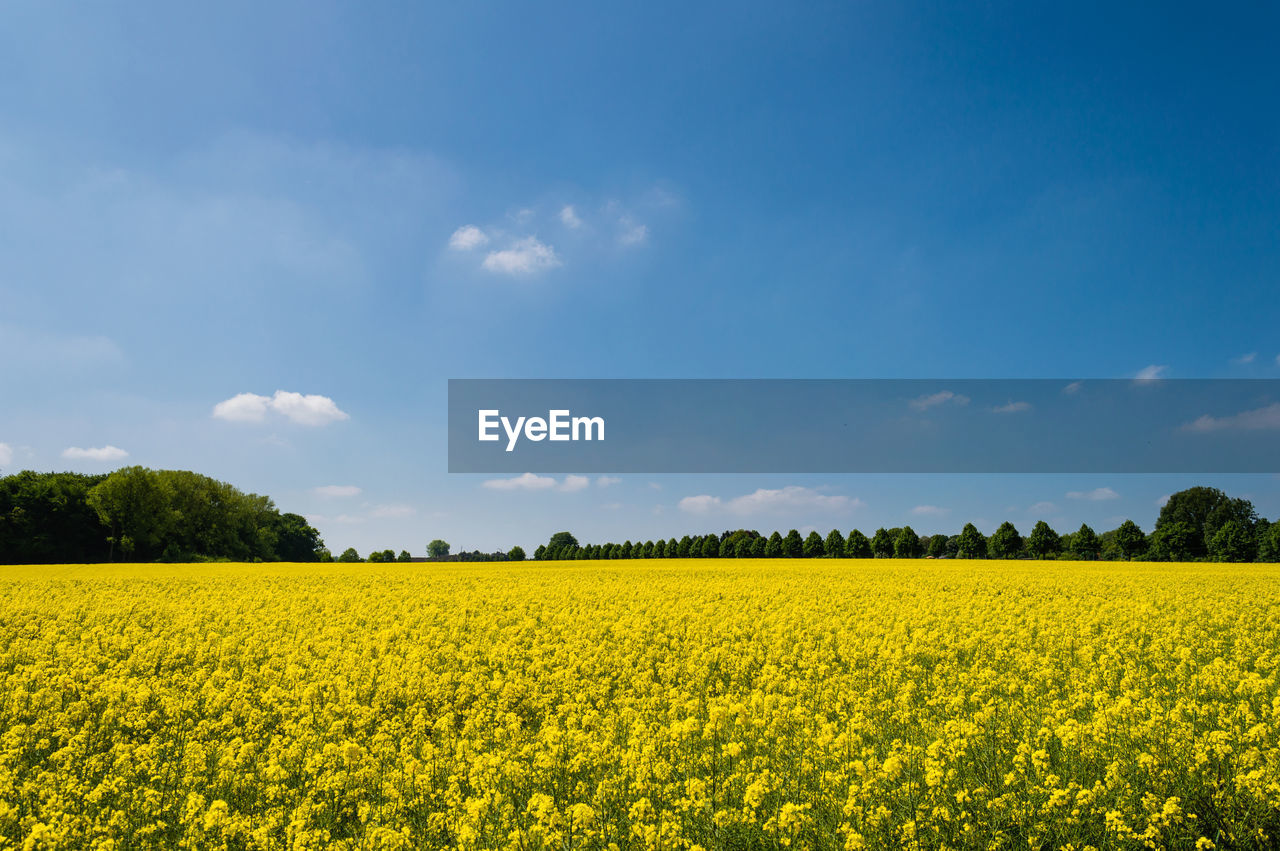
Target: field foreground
{"type": "Point", "coordinates": [664, 704]}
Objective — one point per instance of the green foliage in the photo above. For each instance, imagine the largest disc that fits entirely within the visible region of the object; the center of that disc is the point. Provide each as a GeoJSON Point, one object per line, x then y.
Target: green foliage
{"type": "Point", "coordinates": [1043, 542]}
{"type": "Point", "coordinates": [1232, 542]}
{"type": "Point", "coordinates": [1085, 544]}
{"type": "Point", "coordinates": [349, 555]}
{"type": "Point", "coordinates": [834, 545]}
{"type": "Point", "coordinates": [907, 543]}
{"type": "Point", "coordinates": [1130, 541]}
{"type": "Point", "coordinates": [1174, 541]}
{"type": "Point", "coordinates": [971, 543]}
{"type": "Point", "coordinates": [937, 546]}
{"type": "Point", "coordinates": [1005, 542]}
{"type": "Point", "coordinates": [404, 556]}
{"type": "Point", "coordinates": [793, 545]}
{"type": "Point", "coordinates": [45, 518]}
{"type": "Point", "coordinates": [1206, 510]}
{"type": "Point", "coordinates": [812, 546]}
{"type": "Point", "coordinates": [857, 545]}
{"type": "Point", "coordinates": [437, 549]}
{"type": "Point", "coordinates": [882, 543]}
{"type": "Point", "coordinates": [773, 548]}
{"type": "Point", "coordinates": [516, 553]}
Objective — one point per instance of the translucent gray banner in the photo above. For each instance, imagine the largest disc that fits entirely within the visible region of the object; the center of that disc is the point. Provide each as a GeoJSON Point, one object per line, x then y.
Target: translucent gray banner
{"type": "Point", "coordinates": [864, 426]}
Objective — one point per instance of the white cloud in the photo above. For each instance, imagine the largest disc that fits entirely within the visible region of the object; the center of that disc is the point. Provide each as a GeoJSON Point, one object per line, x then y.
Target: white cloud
{"type": "Point", "coordinates": [393, 511]}
{"type": "Point", "coordinates": [1164, 500]}
{"type": "Point", "coordinates": [1151, 373]}
{"type": "Point", "coordinates": [1095, 495]}
{"type": "Point", "coordinates": [102, 453]}
{"type": "Point", "coordinates": [605, 481]}
{"type": "Point", "coordinates": [574, 483]}
{"type": "Point", "coordinates": [1256, 420]}
{"type": "Point", "coordinates": [336, 490]}
{"type": "Point", "coordinates": [924, 403]}
{"type": "Point", "coordinates": [930, 511]}
{"type": "Point", "coordinates": [1012, 407]}
{"type": "Point", "coordinates": [1073, 387]}
{"type": "Point", "coordinates": [467, 238]}
{"type": "Point", "coordinates": [6, 454]}
{"type": "Point", "coordinates": [1245, 358]}
{"type": "Point", "coordinates": [1042, 508]}
{"type": "Point", "coordinates": [655, 486]}
{"type": "Point", "coordinates": [308, 410]}
{"type": "Point", "coordinates": [767, 500]}
{"type": "Point", "coordinates": [632, 233]}
{"type": "Point", "coordinates": [569, 217]}
{"type": "Point", "coordinates": [523, 482]}
{"type": "Point", "coordinates": [524, 257]}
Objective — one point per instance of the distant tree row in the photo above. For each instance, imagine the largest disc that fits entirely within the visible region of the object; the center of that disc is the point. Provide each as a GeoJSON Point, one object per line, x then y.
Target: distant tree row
{"type": "Point", "coordinates": [137, 514]}
{"type": "Point", "coordinates": [436, 551]}
{"type": "Point", "coordinates": [1194, 525]}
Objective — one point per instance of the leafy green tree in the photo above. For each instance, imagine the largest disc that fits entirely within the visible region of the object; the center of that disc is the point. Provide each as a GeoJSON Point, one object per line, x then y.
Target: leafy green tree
{"type": "Point", "coordinates": [625, 550]}
{"type": "Point", "coordinates": [758, 545]}
{"type": "Point", "coordinates": [907, 543]}
{"type": "Point", "coordinates": [812, 546]}
{"type": "Point", "coordinates": [1232, 542]}
{"type": "Point", "coordinates": [673, 548]}
{"type": "Point", "coordinates": [1174, 541]}
{"type": "Point", "coordinates": [1130, 540]}
{"type": "Point", "coordinates": [349, 555]}
{"type": "Point", "coordinates": [540, 552]}
{"type": "Point", "coordinates": [133, 505]}
{"type": "Point", "coordinates": [437, 549]}
{"type": "Point", "coordinates": [45, 518]}
{"type": "Point", "coordinates": [1269, 543]}
{"type": "Point", "coordinates": [684, 547]}
{"type": "Point", "coordinates": [516, 553]}
{"type": "Point", "coordinates": [297, 540]}
{"type": "Point", "coordinates": [711, 546]}
{"type": "Point", "coordinates": [938, 546]}
{"type": "Point", "coordinates": [563, 539]}
{"type": "Point", "coordinates": [1005, 542]}
{"type": "Point", "coordinates": [834, 546]}
{"type": "Point", "coordinates": [1084, 543]}
{"type": "Point", "coordinates": [404, 556]}
{"type": "Point", "coordinates": [744, 547]}
{"type": "Point", "coordinates": [1206, 510]}
{"type": "Point", "coordinates": [882, 543]}
{"type": "Point", "coordinates": [857, 545]}
{"type": "Point", "coordinates": [1043, 541]}
{"type": "Point", "coordinates": [793, 545]}
{"type": "Point", "coordinates": [971, 543]}
{"type": "Point", "coordinates": [773, 548]}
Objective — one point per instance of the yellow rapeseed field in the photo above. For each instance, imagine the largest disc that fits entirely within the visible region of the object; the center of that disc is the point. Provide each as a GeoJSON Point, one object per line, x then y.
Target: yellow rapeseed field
{"type": "Point", "coordinates": [664, 704]}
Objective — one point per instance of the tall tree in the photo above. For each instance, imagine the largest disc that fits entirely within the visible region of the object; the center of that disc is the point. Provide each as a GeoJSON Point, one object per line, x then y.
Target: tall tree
{"type": "Point", "coordinates": [1206, 510]}
{"type": "Point", "coordinates": [440, 549]}
{"type": "Point", "coordinates": [1005, 541]}
{"type": "Point", "coordinates": [812, 546]}
{"type": "Point", "coordinates": [1043, 541]}
{"type": "Point", "coordinates": [1233, 542]}
{"type": "Point", "coordinates": [793, 545]}
{"type": "Point", "coordinates": [857, 545]}
{"type": "Point", "coordinates": [834, 545]}
{"type": "Point", "coordinates": [882, 543]}
{"type": "Point", "coordinates": [971, 543]}
{"type": "Point", "coordinates": [1130, 540]}
{"type": "Point", "coordinates": [907, 543]}
{"type": "Point", "coordinates": [1174, 541]}
{"type": "Point", "coordinates": [773, 548]}
{"type": "Point", "coordinates": [1084, 543]}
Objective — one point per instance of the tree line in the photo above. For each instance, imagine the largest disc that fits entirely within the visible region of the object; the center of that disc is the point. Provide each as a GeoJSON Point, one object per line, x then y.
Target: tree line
{"type": "Point", "coordinates": [138, 514]}
{"type": "Point", "coordinates": [1197, 524]}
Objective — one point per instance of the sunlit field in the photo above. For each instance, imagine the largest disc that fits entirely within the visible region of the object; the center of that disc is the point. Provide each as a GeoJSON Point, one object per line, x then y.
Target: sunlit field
{"type": "Point", "coordinates": [662, 704]}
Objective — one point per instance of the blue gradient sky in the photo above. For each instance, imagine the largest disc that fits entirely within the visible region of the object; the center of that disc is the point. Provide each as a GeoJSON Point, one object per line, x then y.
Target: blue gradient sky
{"type": "Point", "coordinates": [245, 198]}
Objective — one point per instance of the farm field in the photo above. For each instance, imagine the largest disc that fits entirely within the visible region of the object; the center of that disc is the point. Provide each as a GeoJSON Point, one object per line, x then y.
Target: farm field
{"type": "Point", "coordinates": [661, 704]}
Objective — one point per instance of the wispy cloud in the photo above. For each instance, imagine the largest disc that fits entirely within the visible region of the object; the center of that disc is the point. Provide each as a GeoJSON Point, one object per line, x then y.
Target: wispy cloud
{"type": "Point", "coordinates": [1250, 357]}
{"type": "Point", "coordinates": [631, 232]}
{"type": "Point", "coordinates": [932, 400]}
{"type": "Point", "coordinates": [1012, 407]}
{"type": "Point", "coordinates": [1095, 495]}
{"type": "Point", "coordinates": [6, 454]}
{"type": "Point", "coordinates": [384, 511]}
{"type": "Point", "coordinates": [534, 482]}
{"type": "Point", "coordinates": [606, 481]}
{"type": "Point", "coordinates": [1073, 388]}
{"type": "Point", "coordinates": [524, 257]}
{"type": "Point", "coordinates": [307, 410]}
{"type": "Point", "coordinates": [101, 453]}
{"type": "Point", "coordinates": [336, 490]}
{"type": "Point", "coordinates": [1256, 420]}
{"type": "Point", "coordinates": [569, 218]}
{"type": "Point", "coordinates": [1154, 372]}
{"type": "Point", "coordinates": [1042, 508]}
{"type": "Point", "coordinates": [468, 238]}
{"type": "Point", "coordinates": [770, 500]}
{"type": "Point", "coordinates": [930, 511]}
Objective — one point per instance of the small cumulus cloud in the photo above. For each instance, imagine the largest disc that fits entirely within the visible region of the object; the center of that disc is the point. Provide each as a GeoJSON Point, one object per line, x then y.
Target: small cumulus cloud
{"type": "Point", "coordinates": [770, 500]}
{"type": "Point", "coordinates": [1249, 357]}
{"type": "Point", "coordinates": [307, 410]}
{"type": "Point", "coordinates": [6, 454]}
{"type": "Point", "coordinates": [1095, 495]}
{"type": "Point", "coordinates": [336, 490]}
{"type": "Point", "coordinates": [606, 481]}
{"type": "Point", "coordinates": [631, 232]}
{"type": "Point", "coordinates": [1256, 420]}
{"type": "Point", "coordinates": [1154, 372]}
{"type": "Point", "coordinates": [1012, 407]}
{"type": "Point", "coordinates": [468, 238]}
{"type": "Point", "coordinates": [1073, 388]}
{"type": "Point", "coordinates": [524, 257]}
{"type": "Point", "coordinates": [101, 453]}
{"type": "Point", "coordinates": [569, 218]}
{"type": "Point", "coordinates": [1042, 508]}
{"type": "Point", "coordinates": [930, 511]}
{"type": "Point", "coordinates": [574, 483]}
{"type": "Point", "coordinates": [933, 400]}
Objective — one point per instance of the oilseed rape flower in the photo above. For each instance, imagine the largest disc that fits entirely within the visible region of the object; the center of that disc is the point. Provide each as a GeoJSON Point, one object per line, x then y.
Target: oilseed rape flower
{"type": "Point", "coordinates": [671, 704]}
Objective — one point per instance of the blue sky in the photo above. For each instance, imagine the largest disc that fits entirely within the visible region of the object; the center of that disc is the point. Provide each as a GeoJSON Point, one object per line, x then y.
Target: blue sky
{"type": "Point", "coordinates": [248, 198]}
